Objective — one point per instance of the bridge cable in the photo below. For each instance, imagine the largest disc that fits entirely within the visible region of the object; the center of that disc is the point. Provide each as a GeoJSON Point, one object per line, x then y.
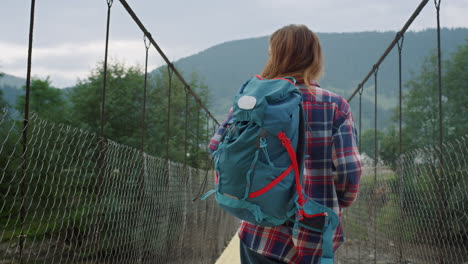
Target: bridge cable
{"type": "Point", "coordinates": [400, 112]}
{"type": "Point", "coordinates": [186, 128]}
{"type": "Point", "coordinates": [168, 122]}
{"type": "Point", "coordinates": [400, 95]}
{"type": "Point", "coordinates": [103, 99]}
{"type": "Point", "coordinates": [102, 140]}
{"type": "Point", "coordinates": [143, 132]}
{"type": "Point", "coordinates": [22, 236]}
{"type": "Point", "coordinates": [198, 137]}
{"type": "Point", "coordinates": [208, 165]}
{"type": "Point", "coordinates": [439, 78]}
{"type": "Point", "coordinates": [375, 122]}
{"type": "Point", "coordinates": [361, 90]}
{"type": "Point", "coordinates": [143, 119]}
{"type": "Point", "coordinates": [390, 47]}
{"type": "Point", "coordinates": [376, 70]}
{"type": "Point", "coordinates": [170, 65]}
{"type": "Point", "coordinates": [442, 193]}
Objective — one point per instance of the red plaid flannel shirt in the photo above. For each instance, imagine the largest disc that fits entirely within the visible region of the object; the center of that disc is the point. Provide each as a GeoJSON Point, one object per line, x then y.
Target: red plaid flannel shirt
{"type": "Point", "coordinates": [331, 177]}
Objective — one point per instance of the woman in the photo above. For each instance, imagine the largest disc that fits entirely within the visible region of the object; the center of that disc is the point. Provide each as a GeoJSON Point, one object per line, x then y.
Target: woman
{"type": "Point", "coordinates": [332, 166]}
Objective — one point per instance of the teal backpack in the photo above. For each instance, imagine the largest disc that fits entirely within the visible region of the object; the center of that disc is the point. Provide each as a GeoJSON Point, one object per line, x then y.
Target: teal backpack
{"type": "Point", "coordinates": [259, 162]}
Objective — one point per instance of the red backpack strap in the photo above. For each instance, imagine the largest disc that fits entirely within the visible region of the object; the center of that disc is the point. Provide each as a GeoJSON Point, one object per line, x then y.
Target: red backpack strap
{"type": "Point", "coordinates": [292, 155]}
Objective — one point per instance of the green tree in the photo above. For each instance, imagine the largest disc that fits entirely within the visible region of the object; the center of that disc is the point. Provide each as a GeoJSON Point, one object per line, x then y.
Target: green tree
{"type": "Point", "coordinates": [46, 101]}
{"type": "Point", "coordinates": [124, 101]}
{"type": "Point", "coordinates": [368, 141]}
{"type": "Point", "coordinates": [420, 107]}
{"type": "Point", "coordinates": [124, 97]}
{"type": "Point", "coordinates": [179, 110]}
{"type": "Point", "coordinates": [455, 91]}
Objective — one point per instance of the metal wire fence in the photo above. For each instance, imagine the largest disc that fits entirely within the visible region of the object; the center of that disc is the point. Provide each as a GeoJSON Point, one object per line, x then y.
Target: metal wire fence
{"type": "Point", "coordinates": [414, 213]}
{"type": "Point", "coordinates": [58, 207]}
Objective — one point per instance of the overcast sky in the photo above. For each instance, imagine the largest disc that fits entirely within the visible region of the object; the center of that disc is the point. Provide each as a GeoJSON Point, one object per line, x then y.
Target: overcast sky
{"type": "Point", "coordinates": [69, 35]}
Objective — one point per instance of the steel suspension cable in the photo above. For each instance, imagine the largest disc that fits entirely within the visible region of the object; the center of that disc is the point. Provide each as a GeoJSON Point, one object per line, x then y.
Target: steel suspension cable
{"type": "Point", "coordinates": [400, 95]}
{"type": "Point", "coordinates": [375, 123]}
{"type": "Point", "coordinates": [361, 90]}
{"type": "Point", "coordinates": [376, 70]}
{"type": "Point", "coordinates": [197, 140]}
{"type": "Point", "coordinates": [143, 132]}
{"type": "Point", "coordinates": [22, 235]}
{"type": "Point", "coordinates": [441, 177]}
{"type": "Point", "coordinates": [439, 79]}
{"type": "Point", "coordinates": [400, 112]}
{"type": "Point", "coordinates": [170, 65]}
{"type": "Point", "coordinates": [102, 140]}
{"type": "Point", "coordinates": [143, 118]}
{"type": "Point", "coordinates": [103, 99]}
{"type": "Point", "coordinates": [168, 121]}
{"type": "Point", "coordinates": [207, 128]}
{"type": "Point", "coordinates": [186, 128]}
{"type": "Point", "coordinates": [392, 44]}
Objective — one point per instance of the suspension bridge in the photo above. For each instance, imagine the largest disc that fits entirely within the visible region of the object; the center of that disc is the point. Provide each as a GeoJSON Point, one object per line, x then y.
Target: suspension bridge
{"type": "Point", "coordinates": [73, 196]}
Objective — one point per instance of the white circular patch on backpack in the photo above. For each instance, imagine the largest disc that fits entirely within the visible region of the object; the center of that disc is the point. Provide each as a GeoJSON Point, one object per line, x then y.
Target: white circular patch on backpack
{"type": "Point", "coordinates": [247, 102]}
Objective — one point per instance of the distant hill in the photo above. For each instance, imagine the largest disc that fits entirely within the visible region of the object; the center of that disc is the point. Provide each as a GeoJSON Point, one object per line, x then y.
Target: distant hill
{"type": "Point", "coordinates": [348, 58]}
{"type": "Point", "coordinates": [11, 87]}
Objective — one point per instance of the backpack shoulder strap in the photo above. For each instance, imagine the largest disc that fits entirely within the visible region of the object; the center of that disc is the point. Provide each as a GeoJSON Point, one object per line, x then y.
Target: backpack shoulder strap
{"type": "Point", "coordinates": [301, 145]}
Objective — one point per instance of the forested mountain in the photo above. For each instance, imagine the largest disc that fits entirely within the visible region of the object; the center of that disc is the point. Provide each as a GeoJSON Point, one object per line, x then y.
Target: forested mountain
{"type": "Point", "coordinates": [11, 87]}
{"type": "Point", "coordinates": [348, 58]}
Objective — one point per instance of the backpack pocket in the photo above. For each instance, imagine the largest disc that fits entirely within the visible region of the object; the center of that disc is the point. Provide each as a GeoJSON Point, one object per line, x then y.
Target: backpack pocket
{"type": "Point", "coordinates": [272, 189]}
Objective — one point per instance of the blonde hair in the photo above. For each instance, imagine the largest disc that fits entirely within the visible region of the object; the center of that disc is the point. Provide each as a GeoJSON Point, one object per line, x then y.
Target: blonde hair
{"type": "Point", "coordinates": [294, 51]}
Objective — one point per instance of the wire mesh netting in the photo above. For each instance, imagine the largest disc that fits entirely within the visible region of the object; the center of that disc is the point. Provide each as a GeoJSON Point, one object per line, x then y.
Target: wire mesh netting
{"type": "Point", "coordinates": [74, 198]}
{"type": "Point", "coordinates": [414, 213]}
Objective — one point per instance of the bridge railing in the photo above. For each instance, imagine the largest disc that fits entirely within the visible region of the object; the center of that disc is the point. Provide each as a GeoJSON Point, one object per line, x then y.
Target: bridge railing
{"type": "Point", "coordinates": [414, 210]}
{"type": "Point", "coordinates": [71, 196]}
{"type": "Point", "coordinates": [415, 213]}
{"type": "Point", "coordinates": [55, 207]}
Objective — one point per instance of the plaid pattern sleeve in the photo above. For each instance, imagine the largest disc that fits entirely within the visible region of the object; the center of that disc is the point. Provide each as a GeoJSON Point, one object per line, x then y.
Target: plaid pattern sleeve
{"type": "Point", "coordinates": [345, 156]}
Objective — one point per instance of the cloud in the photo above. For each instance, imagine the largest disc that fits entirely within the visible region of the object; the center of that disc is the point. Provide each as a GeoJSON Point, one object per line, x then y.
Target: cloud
{"type": "Point", "coordinates": [68, 43]}
{"type": "Point", "coordinates": [65, 62]}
